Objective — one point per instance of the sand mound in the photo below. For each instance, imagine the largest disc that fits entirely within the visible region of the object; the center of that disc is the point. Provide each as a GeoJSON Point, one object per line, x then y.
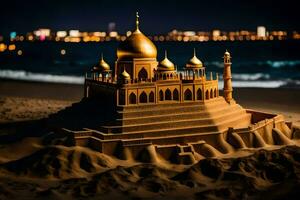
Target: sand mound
{"type": "Point", "coordinates": [62, 172]}
{"type": "Point", "coordinates": [59, 162]}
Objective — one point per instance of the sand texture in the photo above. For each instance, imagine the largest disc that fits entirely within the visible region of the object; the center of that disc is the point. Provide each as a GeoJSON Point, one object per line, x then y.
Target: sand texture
{"type": "Point", "coordinates": [36, 164]}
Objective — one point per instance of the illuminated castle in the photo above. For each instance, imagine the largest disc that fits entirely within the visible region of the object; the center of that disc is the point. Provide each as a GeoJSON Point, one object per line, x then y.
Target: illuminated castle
{"type": "Point", "coordinates": [160, 113]}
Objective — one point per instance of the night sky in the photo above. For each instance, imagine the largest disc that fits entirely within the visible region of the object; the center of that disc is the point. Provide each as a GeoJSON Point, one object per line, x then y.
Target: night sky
{"type": "Point", "coordinates": [155, 16]}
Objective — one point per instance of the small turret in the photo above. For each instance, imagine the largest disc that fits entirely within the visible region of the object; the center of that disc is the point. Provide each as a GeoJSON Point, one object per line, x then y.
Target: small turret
{"type": "Point", "coordinates": [227, 77]}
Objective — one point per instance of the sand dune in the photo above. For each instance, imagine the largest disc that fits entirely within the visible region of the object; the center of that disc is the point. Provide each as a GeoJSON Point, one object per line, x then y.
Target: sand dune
{"type": "Point", "coordinates": [73, 172]}
{"type": "Point", "coordinates": [38, 166]}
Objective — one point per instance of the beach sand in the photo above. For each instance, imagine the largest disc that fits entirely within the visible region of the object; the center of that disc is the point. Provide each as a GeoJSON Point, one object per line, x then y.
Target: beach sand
{"type": "Point", "coordinates": [31, 168]}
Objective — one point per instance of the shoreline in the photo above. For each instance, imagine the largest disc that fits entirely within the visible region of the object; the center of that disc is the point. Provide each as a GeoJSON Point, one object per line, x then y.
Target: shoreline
{"type": "Point", "coordinates": [284, 101]}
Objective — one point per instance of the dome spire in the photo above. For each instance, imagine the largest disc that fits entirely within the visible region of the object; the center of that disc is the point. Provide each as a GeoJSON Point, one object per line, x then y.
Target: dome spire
{"type": "Point", "coordinates": [166, 54]}
{"type": "Point", "coordinates": [137, 22]}
{"type": "Point", "coordinates": [194, 62]}
{"type": "Point", "coordinates": [101, 56]}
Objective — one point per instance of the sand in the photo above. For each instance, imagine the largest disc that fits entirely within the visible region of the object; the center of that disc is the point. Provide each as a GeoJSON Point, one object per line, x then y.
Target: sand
{"type": "Point", "coordinates": [33, 168]}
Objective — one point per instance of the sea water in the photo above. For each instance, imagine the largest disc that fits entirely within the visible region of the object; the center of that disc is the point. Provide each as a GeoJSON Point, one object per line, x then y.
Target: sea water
{"type": "Point", "coordinates": [268, 64]}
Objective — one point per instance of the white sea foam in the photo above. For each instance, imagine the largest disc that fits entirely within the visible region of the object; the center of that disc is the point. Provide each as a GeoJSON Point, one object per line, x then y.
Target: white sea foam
{"type": "Point", "coordinates": [39, 77]}
{"type": "Point", "coordinates": [250, 77]}
{"type": "Point", "coordinates": [243, 80]}
{"type": "Point", "coordinates": [255, 84]}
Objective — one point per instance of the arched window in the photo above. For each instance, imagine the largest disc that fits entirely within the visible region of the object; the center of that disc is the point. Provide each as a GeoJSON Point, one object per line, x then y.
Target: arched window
{"type": "Point", "coordinates": [175, 95]}
{"type": "Point", "coordinates": [188, 94]}
{"type": "Point", "coordinates": [207, 94]}
{"type": "Point", "coordinates": [211, 93]}
{"type": "Point", "coordinates": [164, 76]}
{"type": "Point", "coordinates": [143, 97]}
{"type": "Point", "coordinates": [168, 95]}
{"type": "Point", "coordinates": [143, 74]}
{"type": "Point", "coordinates": [199, 94]}
{"type": "Point", "coordinates": [132, 98]}
{"type": "Point", "coordinates": [161, 95]}
{"type": "Point", "coordinates": [215, 92]}
{"type": "Point", "coordinates": [151, 97]}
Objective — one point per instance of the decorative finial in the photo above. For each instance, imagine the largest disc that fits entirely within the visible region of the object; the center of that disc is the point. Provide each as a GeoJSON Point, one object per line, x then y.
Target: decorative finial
{"type": "Point", "coordinates": [101, 56]}
{"type": "Point", "coordinates": [166, 54]}
{"type": "Point", "coordinates": [194, 52]}
{"type": "Point", "coordinates": [137, 20]}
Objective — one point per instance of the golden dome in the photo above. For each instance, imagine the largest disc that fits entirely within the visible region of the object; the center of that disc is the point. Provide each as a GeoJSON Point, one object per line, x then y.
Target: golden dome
{"type": "Point", "coordinates": [227, 53]}
{"type": "Point", "coordinates": [137, 45]}
{"type": "Point", "coordinates": [125, 75]}
{"type": "Point", "coordinates": [166, 64]}
{"type": "Point", "coordinates": [102, 66]}
{"type": "Point", "coordinates": [194, 62]}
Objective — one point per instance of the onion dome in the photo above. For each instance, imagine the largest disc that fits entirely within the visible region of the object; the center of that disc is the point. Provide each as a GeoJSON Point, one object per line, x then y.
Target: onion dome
{"type": "Point", "coordinates": [227, 54]}
{"type": "Point", "coordinates": [137, 45]}
{"type": "Point", "coordinates": [194, 62]}
{"type": "Point", "coordinates": [124, 75]}
{"type": "Point", "coordinates": [165, 64]}
{"type": "Point", "coordinates": [102, 66]}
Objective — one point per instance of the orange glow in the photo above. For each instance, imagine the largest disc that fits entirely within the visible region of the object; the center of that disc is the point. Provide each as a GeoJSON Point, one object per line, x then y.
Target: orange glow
{"type": "Point", "coordinates": [2, 47]}
{"type": "Point", "coordinates": [12, 47]}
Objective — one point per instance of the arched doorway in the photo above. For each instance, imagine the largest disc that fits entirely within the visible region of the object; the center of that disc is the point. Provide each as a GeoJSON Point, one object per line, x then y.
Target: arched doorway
{"type": "Point", "coordinates": [143, 74]}
{"type": "Point", "coordinates": [199, 94]}
{"type": "Point", "coordinates": [161, 95]}
{"type": "Point", "coordinates": [188, 95]}
{"type": "Point", "coordinates": [151, 97]}
{"type": "Point", "coordinates": [143, 97]}
{"type": "Point", "coordinates": [211, 94]}
{"type": "Point", "coordinates": [175, 95]}
{"type": "Point", "coordinates": [215, 92]}
{"type": "Point", "coordinates": [132, 98]}
{"type": "Point", "coordinates": [168, 95]}
{"type": "Point", "coordinates": [207, 94]}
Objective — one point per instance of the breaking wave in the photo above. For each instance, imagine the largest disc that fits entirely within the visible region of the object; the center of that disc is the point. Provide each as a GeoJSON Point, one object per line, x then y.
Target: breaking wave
{"type": "Point", "coordinates": [251, 77]}
{"type": "Point", "coordinates": [258, 80]}
{"type": "Point", "coordinates": [40, 77]}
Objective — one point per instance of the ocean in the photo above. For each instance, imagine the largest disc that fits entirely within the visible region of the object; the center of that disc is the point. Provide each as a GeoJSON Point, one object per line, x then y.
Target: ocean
{"type": "Point", "coordinates": [266, 64]}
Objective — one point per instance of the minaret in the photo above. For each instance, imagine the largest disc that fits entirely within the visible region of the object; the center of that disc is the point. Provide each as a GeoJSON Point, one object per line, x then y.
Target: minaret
{"type": "Point", "coordinates": [227, 77]}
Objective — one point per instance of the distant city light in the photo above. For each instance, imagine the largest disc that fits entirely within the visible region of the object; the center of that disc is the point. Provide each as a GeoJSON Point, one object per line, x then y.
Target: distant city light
{"type": "Point", "coordinates": [20, 52]}
{"type": "Point", "coordinates": [61, 34]}
{"type": "Point", "coordinates": [74, 33]}
{"type": "Point", "coordinates": [13, 35]}
{"type": "Point", "coordinates": [113, 34]}
{"type": "Point", "coordinates": [11, 47]}
{"type": "Point", "coordinates": [261, 31]}
{"type": "Point", "coordinates": [128, 33]}
{"type": "Point", "coordinates": [63, 52]}
{"type": "Point", "coordinates": [2, 47]}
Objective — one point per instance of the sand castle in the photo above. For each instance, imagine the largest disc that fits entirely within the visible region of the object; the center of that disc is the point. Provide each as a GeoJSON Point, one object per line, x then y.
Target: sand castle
{"type": "Point", "coordinates": [158, 113]}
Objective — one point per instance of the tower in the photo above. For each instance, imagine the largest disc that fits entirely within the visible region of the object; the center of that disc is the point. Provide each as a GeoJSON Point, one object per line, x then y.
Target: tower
{"type": "Point", "coordinates": [227, 77]}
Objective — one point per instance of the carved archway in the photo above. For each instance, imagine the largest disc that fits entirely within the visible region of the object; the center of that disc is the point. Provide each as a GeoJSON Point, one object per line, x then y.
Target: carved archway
{"type": "Point", "coordinates": [175, 95]}
{"type": "Point", "coordinates": [211, 94]}
{"type": "Point", "coordinates": [188, 95]}
{"type": "Point", "coordinates": [207, 94]}
{"type": "Point", "coordinates": [151, 97]}
{"type": "Point", "coordinates": [161, 95]}
{"type": "Point", "coordinates": [143, 97]}
{"type": "Point", "coordinates": [132, 98]}
{"type": "Point", "coordinates": [199, 94]}
{"type": "Point", "coordinates": [215, 92]}
{"type": "Point", "coordinates": [143, 74]}
{"type": "Point", "coordinates": [168, 94]}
